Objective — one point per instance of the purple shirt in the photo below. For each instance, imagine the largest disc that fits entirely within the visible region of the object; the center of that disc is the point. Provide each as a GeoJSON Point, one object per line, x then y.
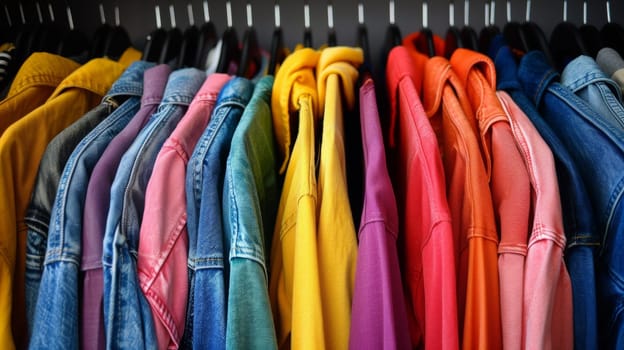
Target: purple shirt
{"type": "Point", "coordinates": [96, 208]}
{"type": "Point", "coordinates": [379, 319]}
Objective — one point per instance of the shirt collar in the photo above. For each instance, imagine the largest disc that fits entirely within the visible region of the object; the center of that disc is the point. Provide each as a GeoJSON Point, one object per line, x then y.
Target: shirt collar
{"type": "Point", "coordinates": [182, 86]}
{"type": "Point", "coordinates": [507, 70]}
{"type": "Point", "coordinates": [583, 71]}
{"type": "Point", "coordinates": [535, 75]}
{"type": "Point", "coordinates": [343, 62]}
{"type": "Point", "coordinates": [42, 69]}
{"type": "Point", "coordinates": [293, 80]}
{"type": "Point", "coordinates": [401, 65]}
{"type": "Point", "coordinates": [130, 83]}
{"type": "Point", "coordinates": [96, 76]}
{"type": "Point", "coordinates": [154, 82]}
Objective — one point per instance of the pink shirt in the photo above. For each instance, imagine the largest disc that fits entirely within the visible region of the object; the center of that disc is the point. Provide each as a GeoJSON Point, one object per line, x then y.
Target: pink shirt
{"type": "Point", "coordinates": [162, 257]}
{"type": "Point", "coordinates": [509, 185]}
{"type": "Point", "coordinates": [547, 305]}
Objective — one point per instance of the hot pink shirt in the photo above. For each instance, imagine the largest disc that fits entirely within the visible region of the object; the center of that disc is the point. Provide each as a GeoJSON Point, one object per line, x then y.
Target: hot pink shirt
{"type": "Point", "coordinates": [163, 244]}
{"type": "Point", "coordinates": [547, 305]}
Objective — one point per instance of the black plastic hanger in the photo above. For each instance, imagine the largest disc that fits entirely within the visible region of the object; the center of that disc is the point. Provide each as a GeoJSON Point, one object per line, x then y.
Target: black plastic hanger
{"type": "Point", "coordinates": [117, 39]}
{"type": "Point", "coordinates": [612, 33]}
{"type": "Point", "coordinates": [251, 56]}
{"type": "Point", "coordinates": [453, 39]}
{"type": "Point", "coordinates": [154, 41]}
{"type": "Point", "coordinates": [173, 40]}
{"type": "Point", "coordinates": [230, 51]}
{"type": "Point", "coordinates": [73, 42]}
{"type": "Point", "coordinates": [469, 37]}
{"type": "Point", "coordinates": [393, 33]}
{"type": "Point", "coordinates": [566, 42]}
{"type": "Point", "coordinates": [487, 34]}
{"type": "Point", "coordinates": [189, 47]}
{"type": "Point", "coordinates": [307, 32]}
{"type": "Point", "coordinates": [278, 51]}
{"type": "Point", "coordinates": [206, 40]}
{"type": "Point", "coordinates": [426, 44]}
{"type": "Point", "coordinates": [513, 33]}
{"type": "Point", "coordinates": [590, 34]}
{"type": "Point", "coordinates": [362, 36]}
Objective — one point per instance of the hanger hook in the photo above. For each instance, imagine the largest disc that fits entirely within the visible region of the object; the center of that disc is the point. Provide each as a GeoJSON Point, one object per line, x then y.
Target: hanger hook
{"type": "Point", "coordinates": [360, 7]}
{"type": "Point", "coordinates": [584, 12]}
{"type": "Point", "coordinates": [608, 6]}
{"type": "Point", "coordinates": [565, 10]}
{"type": "Point", "coordinates": [277, 13]}
{"type": "Point", "coordinates": [330, 14]}
{"type": "Point", "coordinates": [527, 16]}
{"type": "Point", "coordinates": [486, 17]}
{"type": "Point", "coordinates": [492, 12]}
{"type": "Point", "coordinates": [116, 13]}
{"type": "Point", "coordinates": [391, 11]}
{"type": "Point", "coordinates": [51, 12]}
{"type": "Point", "coordinates": [172, 16]}
{"type": "Point", "coordinates": [206, 11]}
{"type": "Point", "coordinates": [228, 10]}
{"type": "Point", "coordinates": [451, 13]}
{"type": "Point", "coordinates": [8, 15]}
{"type": "Point", "coordinates": [306, 14]}
{"type": "Point", "coordinates": [508, 11]}
{"type": "Point", "coordinates": [249, 14]}
{"type": "Point", "coordinates": [466, 13]}
{"type": "Point", "coordinates": [39, 14]}
{"type": "Point", "coordinates": [190, 14]}
{"type": "Point", "coordinates": [102, 14]}
{"type": "Point", "coordinates": [425, 14]}
{"type": "Point", "coordinates": [157, 15]}
{"type": "Point", "coordinates": [70, 17]}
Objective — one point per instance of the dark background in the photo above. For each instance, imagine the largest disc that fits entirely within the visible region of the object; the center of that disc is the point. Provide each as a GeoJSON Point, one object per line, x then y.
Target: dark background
{"type": "Point", "coordinates": [137, 16]}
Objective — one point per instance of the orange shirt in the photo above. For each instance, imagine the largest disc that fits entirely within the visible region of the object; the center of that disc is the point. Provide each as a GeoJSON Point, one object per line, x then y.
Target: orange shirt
{"type": "Point", "coordinates": [509, 184]}
{"type": "Point", "coordinates": [474, 229]}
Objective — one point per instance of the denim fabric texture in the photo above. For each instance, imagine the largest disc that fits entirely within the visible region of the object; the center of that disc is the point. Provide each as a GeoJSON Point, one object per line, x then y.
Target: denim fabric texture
{"type": "Point", "coordinates": [578, 216]}
{"type": "Point", "coordinates": [96, 208]}
{"type": "Point", "coordinates": [127, 315]}
{"type": "Point", "coordinates": [250, 200]}
{"type": "Point", "coordinates": [597, 147]}
{"type": "Point", "coordinates": [584, 77]}
{"type": "Point", "coordinates": [50, 168]}
{"type": "Point", "coordinates": [206, 312]}
{"type": "Point", "coordinates": [57, 303]}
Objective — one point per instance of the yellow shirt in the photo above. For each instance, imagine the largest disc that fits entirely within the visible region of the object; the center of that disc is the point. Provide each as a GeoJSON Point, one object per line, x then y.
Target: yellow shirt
{"type": "Point", "coordinates": [21, 148]}
{"type": "Point", "coordinates": [130, 55]}
{"type": "Point", "coordinates": [35, 81]}
{"type": "Point", "coordinates": [295, 281]}
{"type": "Point", "coordinates": [336, 236]}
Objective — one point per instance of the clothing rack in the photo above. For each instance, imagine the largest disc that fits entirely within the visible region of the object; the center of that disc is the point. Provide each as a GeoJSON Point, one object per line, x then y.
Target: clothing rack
{"type": "Point", "coordinates": [138, 16]}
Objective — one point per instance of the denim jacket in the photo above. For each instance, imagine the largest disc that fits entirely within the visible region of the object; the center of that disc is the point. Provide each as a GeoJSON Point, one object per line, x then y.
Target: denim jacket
{"type": "Point", "coordinates": [584, 77]}
{"type": "Point", "coordinates": [207, 305]}
{"type": "Point", "coordinates": [127, 316]}
{"type": "Point", "coordinates": [578, 217]}
{"type": "Point", "coordinates": [597, 147]}
{"type": "Point", "coordinates": [57, 301]}
{"type": "Point", "coordinates": [250, 199]}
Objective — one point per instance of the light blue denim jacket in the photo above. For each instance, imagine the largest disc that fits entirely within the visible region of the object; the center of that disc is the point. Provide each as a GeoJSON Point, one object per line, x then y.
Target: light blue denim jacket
{"type": "Point", "coordinates": [127, 316]}
{"type": "Point", "coordinates": [583, 76]}
{"type": "Point", "coordinates": [56, 321]}
{"type": "Point", "coordinates": [250, 201]}
{"type": "Point", "coordinates": [207, 306]}
{"type": "Point", "coordinates": [597, 147]}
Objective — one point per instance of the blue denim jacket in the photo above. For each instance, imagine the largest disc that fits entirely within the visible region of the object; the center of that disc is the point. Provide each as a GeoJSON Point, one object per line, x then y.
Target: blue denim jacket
{"type": "Point", "coordinates": [250, 200]}
{"type": "Point", "coordinates": [206, 323]}
{"type": "Point", "coordinates": [597, 147]}
{"type": "Point", "coordinates": [584, 77]}
{"type": "Point", "coordinates": [578, 217]}
{"type": "Point", "coordinates": [127, 316]}
{"type": "Point", "coordinates": [55, 323]}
